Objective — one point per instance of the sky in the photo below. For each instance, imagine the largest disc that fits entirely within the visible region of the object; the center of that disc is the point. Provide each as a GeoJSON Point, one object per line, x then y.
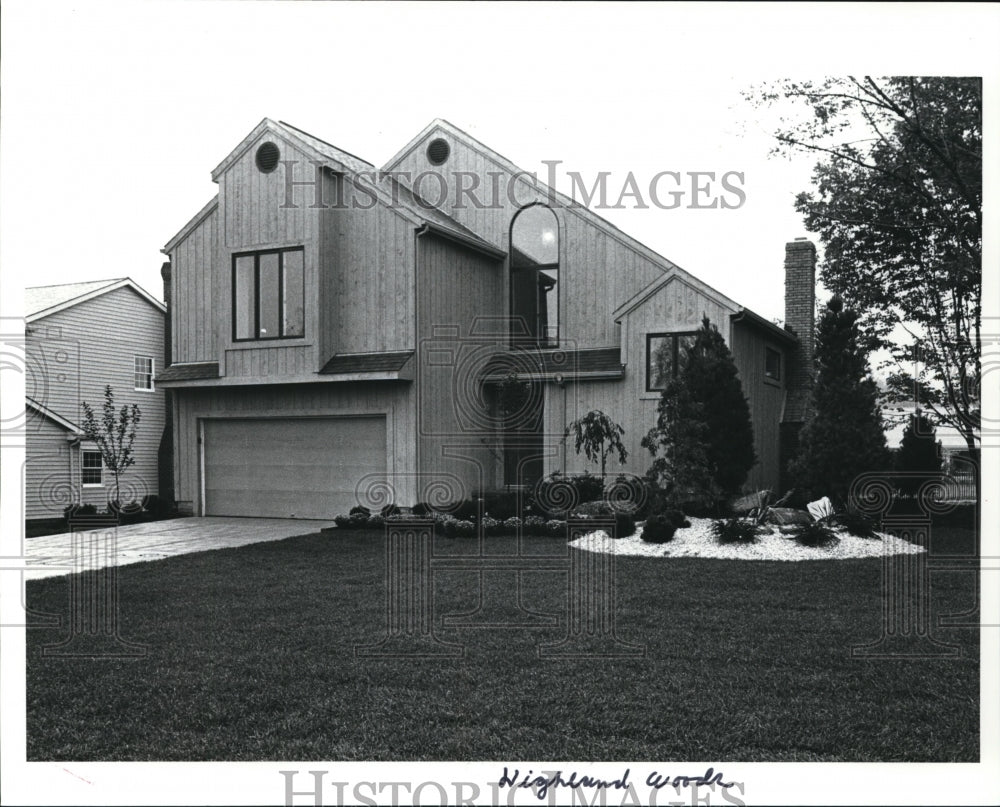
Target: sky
{"type": "Point", "coordinates": [114, 114]}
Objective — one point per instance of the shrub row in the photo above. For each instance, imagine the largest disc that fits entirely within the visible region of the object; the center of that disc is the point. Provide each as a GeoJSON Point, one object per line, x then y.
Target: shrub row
{"type": "Point", "coordinates": [151, 508]}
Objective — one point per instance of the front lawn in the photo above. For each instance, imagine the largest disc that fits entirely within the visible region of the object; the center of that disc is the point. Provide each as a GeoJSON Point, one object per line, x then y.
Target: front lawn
{"type": "Point", "coordinates": [251, 657]}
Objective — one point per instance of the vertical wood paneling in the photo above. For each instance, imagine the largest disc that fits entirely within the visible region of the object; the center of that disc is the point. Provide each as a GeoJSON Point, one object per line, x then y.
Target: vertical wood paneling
{"type": "Point", "coordinates": [368, 265]}
{"type": "Point", "coordinates": [590, 258]}
{"type": "Point", "coordinates": [195, 305]}
{"type": "Point", "coordinates": [766, 399]}
{"type": "Point", "coordinates": [455, 287]}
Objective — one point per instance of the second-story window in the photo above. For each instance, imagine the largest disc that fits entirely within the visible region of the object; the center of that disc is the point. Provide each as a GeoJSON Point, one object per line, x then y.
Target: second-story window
{"type": "Point", "coordinates": [534, 278]}
{"type": "Point", "coordinates": [143, 372]}
{"type": "Point", "coordinates": [269, 294]}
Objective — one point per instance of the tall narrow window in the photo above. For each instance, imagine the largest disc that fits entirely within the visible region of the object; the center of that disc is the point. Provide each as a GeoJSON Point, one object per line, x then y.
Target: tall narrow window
{"type": "Point", "coordinates": [269, 295]}
{"type": "Point", "coordinates": [143, 372]}
{"type": "Point", "coordinates": [772, 364]}
{"type": "Point", "coordinates": [534, 278]}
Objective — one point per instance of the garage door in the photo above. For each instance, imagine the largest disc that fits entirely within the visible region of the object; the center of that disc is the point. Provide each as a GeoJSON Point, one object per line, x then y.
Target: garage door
{"type": "Point", "coordinates": [289, 467]}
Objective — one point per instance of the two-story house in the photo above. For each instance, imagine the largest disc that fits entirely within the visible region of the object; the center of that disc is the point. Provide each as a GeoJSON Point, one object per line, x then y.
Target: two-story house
{"type": "Point", "coordinates": [342, 334]}
{"type": "Point", "coordinates": [80, 337]}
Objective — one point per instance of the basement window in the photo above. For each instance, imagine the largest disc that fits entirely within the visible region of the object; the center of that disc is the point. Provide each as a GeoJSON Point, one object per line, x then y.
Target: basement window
{"type": "Point", "coordinates": [269, 295]}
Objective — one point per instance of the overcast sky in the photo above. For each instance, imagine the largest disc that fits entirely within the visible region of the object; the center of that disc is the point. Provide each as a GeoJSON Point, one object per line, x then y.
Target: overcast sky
{"type": "Point", "coordinates": [115, 114]}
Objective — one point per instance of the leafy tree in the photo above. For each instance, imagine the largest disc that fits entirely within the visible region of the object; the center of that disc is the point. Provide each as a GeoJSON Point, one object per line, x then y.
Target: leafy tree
{"type": "Point", "coordinates": [897, 204]}
{"type": "Point", "coordinates": [113, 436]}
{"type": "Point", "coordinates": [919, 452]}
{"type": "Point", "coordinates": [702, 444]}
{"type": "Point", "coordinates": [598, 436]}
{"type": "Point", "coordinates": [843, 437]}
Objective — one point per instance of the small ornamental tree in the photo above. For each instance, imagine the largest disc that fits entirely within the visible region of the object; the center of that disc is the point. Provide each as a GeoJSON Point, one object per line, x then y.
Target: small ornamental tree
{"type": "Point", "coordinates": [598, 436]}
{"type": "Point", "coordinates": [919, 452]}
{"type": "Point", "coordinates": [114, 436]}
{"type": "Point", "coordinates": [702, 444]}
{"type": "Point", "coordinates": [843, 437]}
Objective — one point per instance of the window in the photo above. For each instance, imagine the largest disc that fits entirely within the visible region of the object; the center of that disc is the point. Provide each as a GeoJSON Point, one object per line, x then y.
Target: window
{"type": "Point", "coordinates": [93, 466]}
{"type": "Point", "coordinates": [269, 295]}
{"type": "Point", "coordinates": [534, 278]}
{"type": "Point", "coordinates": [665, 356]}
{"type": "Point", "coordinates": [772, 364]}
{"type": "Point", "coordinates": [143, 372]}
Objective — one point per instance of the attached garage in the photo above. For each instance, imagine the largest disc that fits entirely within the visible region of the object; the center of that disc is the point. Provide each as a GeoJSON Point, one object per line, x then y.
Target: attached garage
{"type": "Point", "coordinates": [289, 467]}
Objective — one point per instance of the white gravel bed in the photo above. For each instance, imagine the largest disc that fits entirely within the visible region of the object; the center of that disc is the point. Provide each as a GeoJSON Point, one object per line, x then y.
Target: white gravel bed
{"type": "Point", "coordinates": [698, 541]}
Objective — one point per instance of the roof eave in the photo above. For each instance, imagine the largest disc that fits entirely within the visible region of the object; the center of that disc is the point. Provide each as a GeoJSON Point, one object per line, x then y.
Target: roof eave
{"type": "Point", "coordinates": [462, 239]}
{"type": "Point", "coordinates": [125, 282]}
{"type": "Point", "coordinates": [766, 325]}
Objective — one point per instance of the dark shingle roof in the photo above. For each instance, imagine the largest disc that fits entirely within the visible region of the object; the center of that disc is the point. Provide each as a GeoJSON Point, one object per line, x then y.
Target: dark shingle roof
{"type": "Point", "coordinates": [190, 372]}
{"type": "Point", "coordinates": [541, 364]}
{"type": "Point", "coordinates": [367, 362]}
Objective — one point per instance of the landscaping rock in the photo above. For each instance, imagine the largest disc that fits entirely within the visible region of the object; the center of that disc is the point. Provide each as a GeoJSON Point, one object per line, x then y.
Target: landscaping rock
{"type": "Point", "coordinates": [788, 516]}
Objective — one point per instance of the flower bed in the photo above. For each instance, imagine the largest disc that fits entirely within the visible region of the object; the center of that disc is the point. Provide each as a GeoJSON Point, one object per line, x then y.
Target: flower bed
{"type": "Point", "coordinates": [698, 541]}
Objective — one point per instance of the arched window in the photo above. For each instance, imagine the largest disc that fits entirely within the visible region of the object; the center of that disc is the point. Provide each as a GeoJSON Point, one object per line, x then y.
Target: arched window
{"type": "Point", "coordinates": [534, 278]}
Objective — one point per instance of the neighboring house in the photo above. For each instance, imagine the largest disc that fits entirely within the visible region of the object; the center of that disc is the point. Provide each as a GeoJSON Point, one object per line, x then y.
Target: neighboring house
{"type": "Point", "coordinates": [80, 337]}
{"type": "Point", "coordinates": [331, 329]}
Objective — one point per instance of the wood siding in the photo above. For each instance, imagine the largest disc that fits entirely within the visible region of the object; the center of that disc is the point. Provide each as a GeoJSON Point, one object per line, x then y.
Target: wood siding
{"type": "Point", "coordinates": [597, 271]}
{"type": "Point", "coordinates": [358, 264]}
{"type": "Point", "coordinates": [367, 278]}
{"type": "Point", "coordinates": [456, 289]}
{"type": "Point", "coordinates": [74, 353]}
{"type": "Point", "coordinates": [393, 400]}
{"type": "Point", "coordinates": [676, 306]}
{"type": "Point", "coordinates": [766, 398]}
{"type": "Point", "coordinates": [195, 302]}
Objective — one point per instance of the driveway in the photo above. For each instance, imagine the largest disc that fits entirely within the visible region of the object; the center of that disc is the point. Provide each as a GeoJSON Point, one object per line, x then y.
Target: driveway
{"type": "Point", "coordinates": [52, 555]}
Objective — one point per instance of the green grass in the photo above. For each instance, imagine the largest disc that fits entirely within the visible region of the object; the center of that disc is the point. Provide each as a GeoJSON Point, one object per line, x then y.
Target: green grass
{"type": "Point", "coordinates": [250, 657]}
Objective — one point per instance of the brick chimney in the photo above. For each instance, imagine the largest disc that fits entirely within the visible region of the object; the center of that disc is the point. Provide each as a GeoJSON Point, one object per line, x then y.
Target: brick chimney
{"type": "Point", "coordinates": [800, 318]}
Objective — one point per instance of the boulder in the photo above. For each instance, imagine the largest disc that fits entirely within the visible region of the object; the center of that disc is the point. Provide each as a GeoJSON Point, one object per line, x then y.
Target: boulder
{"type": "Point", "coordinates": [787, 516]}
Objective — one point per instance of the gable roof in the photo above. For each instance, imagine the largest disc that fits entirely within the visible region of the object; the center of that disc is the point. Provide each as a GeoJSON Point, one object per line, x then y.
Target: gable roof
{"type": "Point", "coordinates": [42, 301]}
{"type": "Point", "coordinates": [564, 202]}
{"type": "Point", "coordinates": [401, 200]}
{"type": "Point", "coordinates": [682, 277]}
{"type": "Point", "coordinates": [57, 419]}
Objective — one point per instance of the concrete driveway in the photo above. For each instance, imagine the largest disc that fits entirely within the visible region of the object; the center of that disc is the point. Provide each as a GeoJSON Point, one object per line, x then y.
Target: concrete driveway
{"type": "Point", "coordinates": [52, 555]}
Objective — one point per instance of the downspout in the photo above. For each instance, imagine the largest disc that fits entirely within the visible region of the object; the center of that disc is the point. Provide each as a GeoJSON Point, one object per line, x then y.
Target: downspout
{"type": "Point", "coordinates": [418, 495]}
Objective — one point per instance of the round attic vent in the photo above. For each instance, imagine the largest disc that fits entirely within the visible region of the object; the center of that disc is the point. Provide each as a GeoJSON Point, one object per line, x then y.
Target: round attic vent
{"type": "Point", "coordinates": [267, 157]}
{"type": "Point", "coordinates": [438, 151]}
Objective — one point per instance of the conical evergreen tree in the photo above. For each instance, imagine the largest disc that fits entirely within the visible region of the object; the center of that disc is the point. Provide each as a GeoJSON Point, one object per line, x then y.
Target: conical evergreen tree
{"type": "Point", "coordinates": [702, 444]}
{"type": "Point", "coordinates": [844, 437]}
{"type": "Point", "coordinates": [919, 452]}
